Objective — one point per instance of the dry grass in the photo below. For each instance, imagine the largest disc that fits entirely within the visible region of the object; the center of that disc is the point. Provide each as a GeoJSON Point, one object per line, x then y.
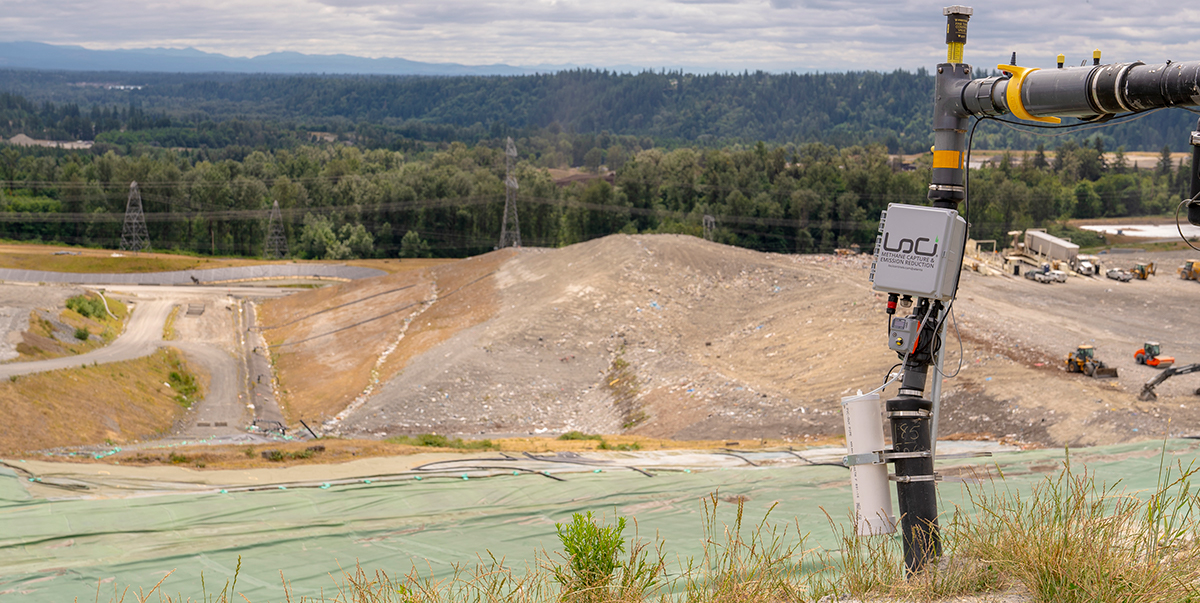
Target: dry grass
{"type": "Point", "coordinates": [22, 256]}
{"type": "Point", "coordinates": [344, 450]}
{"type": "Point", "coordinates": [117, 402]}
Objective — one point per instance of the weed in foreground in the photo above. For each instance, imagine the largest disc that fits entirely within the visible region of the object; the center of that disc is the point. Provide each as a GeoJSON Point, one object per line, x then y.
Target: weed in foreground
{"type": "Point", "coordinates": [760, 567]}
{"type": "Point", "coordinates": [1073, 539]}
{"type": "Point", "coordinates": [595, 571]}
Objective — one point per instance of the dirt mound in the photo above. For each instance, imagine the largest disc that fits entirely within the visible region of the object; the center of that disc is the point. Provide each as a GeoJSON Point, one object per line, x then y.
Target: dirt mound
{"type": "Point", "coordinates": [665, 336]}
{"type": "Point", "coordinates": [675, 337]}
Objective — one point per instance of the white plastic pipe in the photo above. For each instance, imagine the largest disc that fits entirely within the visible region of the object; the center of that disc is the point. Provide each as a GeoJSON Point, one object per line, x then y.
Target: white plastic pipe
{"type": "Point", "coordinates": [863, 417]}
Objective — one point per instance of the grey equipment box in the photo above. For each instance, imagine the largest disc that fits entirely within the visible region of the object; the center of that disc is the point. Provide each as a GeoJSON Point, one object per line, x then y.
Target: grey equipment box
{"type": "Point", "coordinates": [918, 251]}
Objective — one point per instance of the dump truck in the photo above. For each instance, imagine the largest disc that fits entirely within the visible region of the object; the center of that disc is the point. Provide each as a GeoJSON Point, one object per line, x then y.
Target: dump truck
{"type": "Point", "coordinates": [1087, 265]}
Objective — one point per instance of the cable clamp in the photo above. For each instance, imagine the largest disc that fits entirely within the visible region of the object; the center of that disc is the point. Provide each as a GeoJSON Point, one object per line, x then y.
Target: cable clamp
{"type": "Point", "coordinates": [908, 414]}
{"type": "Point", "coordinates": [880, 457]}
{"type": "Point", "coordinates": [908, 479]}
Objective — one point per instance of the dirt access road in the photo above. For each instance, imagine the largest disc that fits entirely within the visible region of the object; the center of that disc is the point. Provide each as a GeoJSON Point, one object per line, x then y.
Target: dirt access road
{"type": "Point", "coordinates": [210, 335]}
{"type": "Point", "coordinates": [675, 337]}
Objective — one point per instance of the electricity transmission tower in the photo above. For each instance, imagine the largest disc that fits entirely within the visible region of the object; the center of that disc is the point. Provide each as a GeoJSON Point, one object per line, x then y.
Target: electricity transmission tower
{"type": "Point", "coordinates": [710, 223]}
{"type": "Point", "coordinates": [510, 230]}
{"type": "Point", "coordinates": [277, 246]}
{"type": "Point", "coordinates": [133, 234]}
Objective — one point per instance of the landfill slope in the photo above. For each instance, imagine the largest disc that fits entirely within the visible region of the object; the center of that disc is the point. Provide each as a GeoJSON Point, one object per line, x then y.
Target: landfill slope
{"type": "Point", "coordinates": [672, 336]}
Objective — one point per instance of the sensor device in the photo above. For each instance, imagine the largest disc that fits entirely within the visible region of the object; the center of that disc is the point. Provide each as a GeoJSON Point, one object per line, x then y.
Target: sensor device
{"type": "Point", "coordinates": [902, 333]}
{"type": "Point", "coordinates": [918, 251]}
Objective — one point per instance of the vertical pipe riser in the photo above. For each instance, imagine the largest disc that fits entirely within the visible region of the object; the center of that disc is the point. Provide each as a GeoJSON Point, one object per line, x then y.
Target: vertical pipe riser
{"type": "Point", "coordinates": [917, 499]}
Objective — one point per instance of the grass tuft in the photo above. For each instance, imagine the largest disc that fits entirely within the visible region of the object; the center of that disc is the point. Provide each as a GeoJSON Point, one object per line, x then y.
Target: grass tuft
{"type": "Point", "coordinates": [433, 440]}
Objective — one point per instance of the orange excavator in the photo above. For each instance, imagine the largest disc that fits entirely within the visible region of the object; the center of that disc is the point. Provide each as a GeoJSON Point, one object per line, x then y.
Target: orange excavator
{"type": "Point", "coordinates": [1150, 355]}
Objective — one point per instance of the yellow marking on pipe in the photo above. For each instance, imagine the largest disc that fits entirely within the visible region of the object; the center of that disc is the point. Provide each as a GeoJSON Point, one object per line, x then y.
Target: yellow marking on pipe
{"type": "Point", "coordinates": [947, 159]}
{"type": "Point", "coordinates": [1016, 106]}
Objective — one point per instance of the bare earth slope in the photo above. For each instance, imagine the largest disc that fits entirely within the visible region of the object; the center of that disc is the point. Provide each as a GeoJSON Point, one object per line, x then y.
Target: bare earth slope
{"type": "Point", "coordinates": [669, 335]}
{"type": "Point", "coordinates": [675, 337]}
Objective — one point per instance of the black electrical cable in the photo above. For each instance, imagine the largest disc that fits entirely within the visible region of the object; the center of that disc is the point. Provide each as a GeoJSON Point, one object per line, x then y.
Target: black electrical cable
{"type": "Point", "coordinates": [546, 459]}
{"type": "Point", "coordinates": [889, 372]}
{"type": "Point", "coordinates": [1177, 225]}
{"type": "Point", "coordinates": [728, 452]}
{"type": "Point", "coordinates": [812, 462]}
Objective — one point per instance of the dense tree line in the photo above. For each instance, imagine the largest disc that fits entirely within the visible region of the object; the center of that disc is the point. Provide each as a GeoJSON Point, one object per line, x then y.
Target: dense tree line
{"type": "Point", "coordinates": [341, 201]}
{"type": "Point", "coordinates": [673, 109]}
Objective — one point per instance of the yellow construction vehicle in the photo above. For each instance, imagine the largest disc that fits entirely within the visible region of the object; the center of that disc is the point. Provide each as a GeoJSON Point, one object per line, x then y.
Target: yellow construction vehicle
{"type": "Point", "coordinates": [1190, 270]}
{"type": "Point", "coordinates": [1143, 271]}
{"type": "Point", "coordinates": [1083, 360]}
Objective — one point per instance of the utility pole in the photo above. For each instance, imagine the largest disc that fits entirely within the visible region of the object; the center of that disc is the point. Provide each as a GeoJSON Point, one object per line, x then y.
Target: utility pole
{"type": "Point", "coordinates": [133, 234]}
{"type": "Point", "coordinates": [277, 246]}
{"type": "Point", "coordinates": [510, 229]}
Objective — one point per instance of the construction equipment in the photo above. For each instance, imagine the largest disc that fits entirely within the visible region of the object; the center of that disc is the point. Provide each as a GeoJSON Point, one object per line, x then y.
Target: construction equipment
{"type": "Point", "coordinates": [1143, 271]}
{"type": "Point", "coordinates": [1087, 265]}
{"type": "Point", "coordinates": [1150, 355]}
{"type": "Point", "coordinates": [1148, 394]}
{"type": "Point", "coordinates": [1190, 270]}
{"type": "Point", "coordinates": [1083, 360]}
{"type": "Point", "coordinates": [1117, 274]}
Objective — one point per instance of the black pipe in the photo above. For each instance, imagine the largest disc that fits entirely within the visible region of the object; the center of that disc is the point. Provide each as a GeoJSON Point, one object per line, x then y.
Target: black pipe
{"type": "Point", "coordinates": [1087, 91]}
{"type": "Point", "coordinates": [915, 487]}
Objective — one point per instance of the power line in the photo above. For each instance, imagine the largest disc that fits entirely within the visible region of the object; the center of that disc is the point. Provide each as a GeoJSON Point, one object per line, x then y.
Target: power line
{"type": "Point", "coordinates": [510, 227]}
{"type": "Point", "coordinates": [277, 246]}
{"type": "Point", "coordinates": [134, 236]}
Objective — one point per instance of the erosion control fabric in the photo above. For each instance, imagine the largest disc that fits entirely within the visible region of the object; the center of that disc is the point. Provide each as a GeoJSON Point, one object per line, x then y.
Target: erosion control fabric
{"type": "Point", "coordinates": [61, 535]}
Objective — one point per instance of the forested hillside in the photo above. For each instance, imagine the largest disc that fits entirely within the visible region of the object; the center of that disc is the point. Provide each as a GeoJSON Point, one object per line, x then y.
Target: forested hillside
{"type": "Point", "coordinates": [341, 201]}
{"type": "Point", "coordinates": [669, 109]}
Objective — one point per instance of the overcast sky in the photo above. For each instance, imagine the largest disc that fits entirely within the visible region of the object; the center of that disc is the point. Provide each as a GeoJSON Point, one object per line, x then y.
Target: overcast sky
{"type": "Point", "coordinates": [776, 35]}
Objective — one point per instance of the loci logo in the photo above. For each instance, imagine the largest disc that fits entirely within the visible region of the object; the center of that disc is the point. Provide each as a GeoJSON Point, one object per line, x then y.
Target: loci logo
{"type": "Point", "coordinates": [910, 246]}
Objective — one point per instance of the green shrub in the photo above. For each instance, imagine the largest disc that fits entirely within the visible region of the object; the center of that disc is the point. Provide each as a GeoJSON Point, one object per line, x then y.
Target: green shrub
{"type": "Point", "coordinates": [594, 567]}
{"type": "Point", "coordinates": [433, 440]}
{"type": "Point", "coordinates": [185, 386]}
{"type": "Point", "coordinates": [618, 447]}
{"type": "Point", "coordinates": [88, 306]}
{"type": "Point", "coordinates": [82, 334]}
{"type": "Point", "coordinates": [579, 435]}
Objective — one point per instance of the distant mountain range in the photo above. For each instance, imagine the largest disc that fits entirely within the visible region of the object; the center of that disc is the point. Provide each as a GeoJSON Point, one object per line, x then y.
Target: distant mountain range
{"type": "Point", "coordinates": [35, 55]}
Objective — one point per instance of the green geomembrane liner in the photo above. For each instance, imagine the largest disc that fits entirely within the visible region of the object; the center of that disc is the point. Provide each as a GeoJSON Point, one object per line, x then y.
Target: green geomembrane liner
{"type": "Point", "coordinates": [59, 549]}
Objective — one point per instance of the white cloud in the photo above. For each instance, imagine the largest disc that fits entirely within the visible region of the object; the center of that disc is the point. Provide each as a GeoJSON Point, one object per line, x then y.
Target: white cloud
{"type": "Point", "coordinates": [724, 34]}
